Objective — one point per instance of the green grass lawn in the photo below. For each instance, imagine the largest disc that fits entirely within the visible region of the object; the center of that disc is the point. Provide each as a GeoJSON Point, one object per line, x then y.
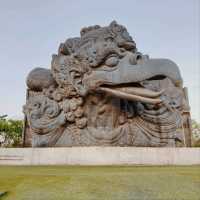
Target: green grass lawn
{"type": "Point", "coordinates": [92, 183]}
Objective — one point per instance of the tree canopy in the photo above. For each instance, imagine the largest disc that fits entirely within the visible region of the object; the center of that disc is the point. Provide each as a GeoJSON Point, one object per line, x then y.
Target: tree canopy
{"type": "Point", "coordinates": [10, 132]}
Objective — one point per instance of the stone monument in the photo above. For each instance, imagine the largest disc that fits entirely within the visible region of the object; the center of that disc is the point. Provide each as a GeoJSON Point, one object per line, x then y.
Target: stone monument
{"type": "Point", "coordinates": [101, 91]}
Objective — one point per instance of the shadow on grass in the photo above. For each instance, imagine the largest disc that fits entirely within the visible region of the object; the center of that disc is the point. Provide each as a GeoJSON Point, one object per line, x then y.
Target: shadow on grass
{"type": "Point", "coordinates": [3, 194]}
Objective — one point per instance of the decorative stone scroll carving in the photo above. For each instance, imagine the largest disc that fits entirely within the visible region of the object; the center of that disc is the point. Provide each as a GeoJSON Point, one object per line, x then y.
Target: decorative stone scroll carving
{"type": "Point", "coordinates": [101, 91]}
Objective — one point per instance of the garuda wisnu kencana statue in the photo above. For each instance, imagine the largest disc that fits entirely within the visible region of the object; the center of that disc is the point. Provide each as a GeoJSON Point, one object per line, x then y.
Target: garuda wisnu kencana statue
{"type": "Point", "coordinates": [100, 91]}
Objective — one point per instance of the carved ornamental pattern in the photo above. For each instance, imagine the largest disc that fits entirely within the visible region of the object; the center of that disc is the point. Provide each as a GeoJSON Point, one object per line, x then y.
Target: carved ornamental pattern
{"type": "Point", "coordinates": [100, 91]}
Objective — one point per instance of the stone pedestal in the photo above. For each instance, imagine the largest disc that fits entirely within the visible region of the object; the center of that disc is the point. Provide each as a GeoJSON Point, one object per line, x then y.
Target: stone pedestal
{"type": "Point", "coordinates": [100, 156]}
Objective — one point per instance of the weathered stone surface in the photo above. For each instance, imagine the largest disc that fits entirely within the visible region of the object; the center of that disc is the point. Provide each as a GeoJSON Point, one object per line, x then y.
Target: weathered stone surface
{"type": "Point", "coordinates": [40, 78]}
{"type": "Point", "coordinates": [102, 91]}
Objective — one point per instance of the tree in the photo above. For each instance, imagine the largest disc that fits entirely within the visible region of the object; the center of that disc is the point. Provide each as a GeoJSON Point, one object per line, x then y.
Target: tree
{"type": "Point", "coordinates": [196, 133]}
{"type": "Point", "coordinates": [10, 132]}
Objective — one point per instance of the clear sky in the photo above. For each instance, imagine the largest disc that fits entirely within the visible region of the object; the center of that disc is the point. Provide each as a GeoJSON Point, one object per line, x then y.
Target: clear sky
{"type": "Point", "coordinates": [31, 30]}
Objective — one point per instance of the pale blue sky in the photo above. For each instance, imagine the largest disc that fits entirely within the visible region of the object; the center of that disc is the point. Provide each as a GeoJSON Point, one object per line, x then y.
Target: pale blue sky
{"type": "Point", "coordinates": [30, 32]}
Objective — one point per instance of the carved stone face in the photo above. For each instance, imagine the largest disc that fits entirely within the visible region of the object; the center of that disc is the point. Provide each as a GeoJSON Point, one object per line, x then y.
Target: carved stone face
{"type": "Point", "coordinates": [119, 88]}
{"type": "Point", "coordinates": [106, 59]}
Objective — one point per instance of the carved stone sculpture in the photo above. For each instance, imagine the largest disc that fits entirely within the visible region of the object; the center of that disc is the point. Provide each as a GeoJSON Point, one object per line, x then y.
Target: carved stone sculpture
{"type": "Point", "coordinates": [101, 91]}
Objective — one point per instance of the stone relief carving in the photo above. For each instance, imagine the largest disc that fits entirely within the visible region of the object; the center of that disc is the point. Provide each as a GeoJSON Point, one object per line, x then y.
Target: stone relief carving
{"type": "Point", "coordinates": [101, 91]}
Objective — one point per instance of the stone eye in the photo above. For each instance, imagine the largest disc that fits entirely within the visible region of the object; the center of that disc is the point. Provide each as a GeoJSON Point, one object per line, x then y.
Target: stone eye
{"type": "Point", "coordinates": [112, 61]}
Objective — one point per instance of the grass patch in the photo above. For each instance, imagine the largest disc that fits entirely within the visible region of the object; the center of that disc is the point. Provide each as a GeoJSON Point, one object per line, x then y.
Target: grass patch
{"type": "Point", "coordinates": [99, 183]}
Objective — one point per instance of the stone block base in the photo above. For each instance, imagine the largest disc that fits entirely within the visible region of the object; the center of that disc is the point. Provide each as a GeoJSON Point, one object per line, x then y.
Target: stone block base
{"type": "Point", "coordinates": [100, 156]}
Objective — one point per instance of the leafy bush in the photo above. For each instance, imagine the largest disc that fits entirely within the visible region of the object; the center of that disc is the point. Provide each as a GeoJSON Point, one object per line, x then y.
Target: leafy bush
{"type": "Point", "coordinates": [195, 134]}
{"type": "Point", "coordinates": [10, 132]}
